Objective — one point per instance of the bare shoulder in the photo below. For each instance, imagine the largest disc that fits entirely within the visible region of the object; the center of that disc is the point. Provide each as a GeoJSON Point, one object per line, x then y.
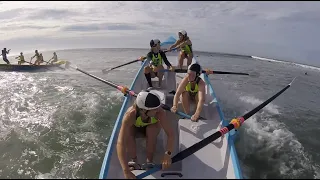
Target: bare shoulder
{"type": "Point", "coordinates": [202, 83]}
{"type": "Point", "coordinates": [130, 115]}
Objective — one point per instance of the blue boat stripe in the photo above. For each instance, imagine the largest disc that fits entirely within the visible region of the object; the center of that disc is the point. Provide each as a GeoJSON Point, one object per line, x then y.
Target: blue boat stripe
{"type": "Point", "coordinates": [233, 153]}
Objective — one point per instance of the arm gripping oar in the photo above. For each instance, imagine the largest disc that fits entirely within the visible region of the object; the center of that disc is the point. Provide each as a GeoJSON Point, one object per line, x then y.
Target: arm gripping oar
{"type": "Point", "coordinates": [234, 124]}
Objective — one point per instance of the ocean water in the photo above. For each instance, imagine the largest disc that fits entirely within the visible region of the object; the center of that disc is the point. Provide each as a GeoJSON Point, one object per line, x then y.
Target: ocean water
{"type": "Point", "coordinates": [56, 124]}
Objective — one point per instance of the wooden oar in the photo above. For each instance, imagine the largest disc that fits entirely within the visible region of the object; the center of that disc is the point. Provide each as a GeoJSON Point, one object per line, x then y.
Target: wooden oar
{"type": "Point", "coordinates": [123, 89]}
{"type": "Point", "coordinates": [254, 74]}
{"type": "Point", "coordinates": [234, 124]}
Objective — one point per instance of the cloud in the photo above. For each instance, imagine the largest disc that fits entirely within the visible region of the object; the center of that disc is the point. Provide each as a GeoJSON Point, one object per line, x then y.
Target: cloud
{"type": "Point", "coordinates": [35, 27]}
{"type": "Point", "coordinates": [52, 14]}
{"type": "Point", "coordinates": [97, 27]}
{"type": "Point", "coordinates": [284, 30]}
{"type": "Point", "coordinates": [9, 14]}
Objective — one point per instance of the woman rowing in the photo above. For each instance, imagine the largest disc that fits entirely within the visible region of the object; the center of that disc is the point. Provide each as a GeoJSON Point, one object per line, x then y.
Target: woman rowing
{"type": "Point", "coordinates": [21, 59]}
{"type": "Point", "coordinates": [144, 116]}
{"type": "Point", "coordinates": [55, 58]}
{"type": "Point", "coordinates": [185, 44]}
{"type": "Point", "coordinates": [41, 59]}
{"type": "Point", "coordinates": [192, 88]}
{"type": "Point", "coordinates": [37, 55]}
{"type": "Point", "coordinates": [155, 57]}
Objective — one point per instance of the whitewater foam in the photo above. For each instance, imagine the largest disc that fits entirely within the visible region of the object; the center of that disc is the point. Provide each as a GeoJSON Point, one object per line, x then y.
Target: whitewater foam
{"type": "Point", "coordinates": [285, 62]}
{"type": "Point", "coordinates": [254, 101]}
{"type": "Point", "coordinates": [272, 140]}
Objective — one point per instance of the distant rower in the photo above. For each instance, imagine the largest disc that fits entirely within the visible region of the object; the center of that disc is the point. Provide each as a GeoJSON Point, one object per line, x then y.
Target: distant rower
{"type": "Point", "coordinates": [21, 59]}
{"type": "Point", "coordinates": [37, 56]}
{"type": "Point", "coordinates": [41, 59]}
{"type": "Point", "coordinates": [55, 58]}
{"type": "Point", "coordinates": [4, 55]}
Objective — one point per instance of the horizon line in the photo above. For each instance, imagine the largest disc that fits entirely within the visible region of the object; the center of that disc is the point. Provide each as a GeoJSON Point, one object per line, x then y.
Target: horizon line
{"type": "Point", "coordinates": [212, 52]}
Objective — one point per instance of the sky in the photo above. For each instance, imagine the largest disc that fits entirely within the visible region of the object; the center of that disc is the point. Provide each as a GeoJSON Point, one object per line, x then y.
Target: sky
{"type": "Point", "coordinates": [281, 30]}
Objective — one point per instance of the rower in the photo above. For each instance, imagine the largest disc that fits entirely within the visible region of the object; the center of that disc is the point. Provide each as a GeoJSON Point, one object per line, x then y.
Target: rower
{"type": "Point", "coordinates": [4, 55]}
{"type": "Point", "coordinates": [192, 88]}
{"type": "Point", "coordinates": [41, 59]}
{"type": "Point", "coordinates": [21, 59]}
{"type": "Point", "coordinates": [37, 56]}
{"type": "Point", "coordinates": [55, 58]}
{"type": "Point", "coordinates": [185, 44]}
{"type": "Point", "coordinates": [155, 57]}
{"type": "Point", "coordinates": [147, 117]}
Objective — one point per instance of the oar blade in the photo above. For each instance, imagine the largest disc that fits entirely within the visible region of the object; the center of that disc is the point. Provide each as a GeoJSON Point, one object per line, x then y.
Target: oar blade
{"type": "Point", "coordinates": [68, 65]}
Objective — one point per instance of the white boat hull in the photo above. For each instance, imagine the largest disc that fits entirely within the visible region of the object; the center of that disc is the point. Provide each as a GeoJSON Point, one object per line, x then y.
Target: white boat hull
{"type": "Point", "coordinates": [216, 160]}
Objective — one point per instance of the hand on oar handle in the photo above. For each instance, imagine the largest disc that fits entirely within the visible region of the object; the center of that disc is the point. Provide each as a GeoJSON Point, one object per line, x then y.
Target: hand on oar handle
{"type": "Point", "coordinates": [142, 58]}
{"type": "Point", "coordinates": [174, 109]}
{"type": "Point", "coordinates": [171, 69]}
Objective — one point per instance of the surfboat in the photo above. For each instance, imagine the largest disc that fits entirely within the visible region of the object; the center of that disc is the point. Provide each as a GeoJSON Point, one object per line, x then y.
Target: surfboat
{"type": "Point", "coordinates": [216, 160]}
{"type": "Point", "coordinates": [29, 68]}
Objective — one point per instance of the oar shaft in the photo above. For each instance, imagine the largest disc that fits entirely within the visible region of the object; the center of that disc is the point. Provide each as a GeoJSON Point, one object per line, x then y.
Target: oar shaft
{"type": "Point", "coordinates": [97, 78]}
{"type": "Point", "coordinates": [120, 88]}
{"type": "Point", "coordinates": [223, 72]}
{"type": "Point", "coordinates": [125, 64]}
{"type": "Point", "coordinates": [208, 72]}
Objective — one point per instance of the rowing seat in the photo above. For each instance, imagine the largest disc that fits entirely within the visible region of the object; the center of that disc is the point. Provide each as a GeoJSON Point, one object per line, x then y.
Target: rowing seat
{"type": "Point", "coordinates": [210, 159]}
